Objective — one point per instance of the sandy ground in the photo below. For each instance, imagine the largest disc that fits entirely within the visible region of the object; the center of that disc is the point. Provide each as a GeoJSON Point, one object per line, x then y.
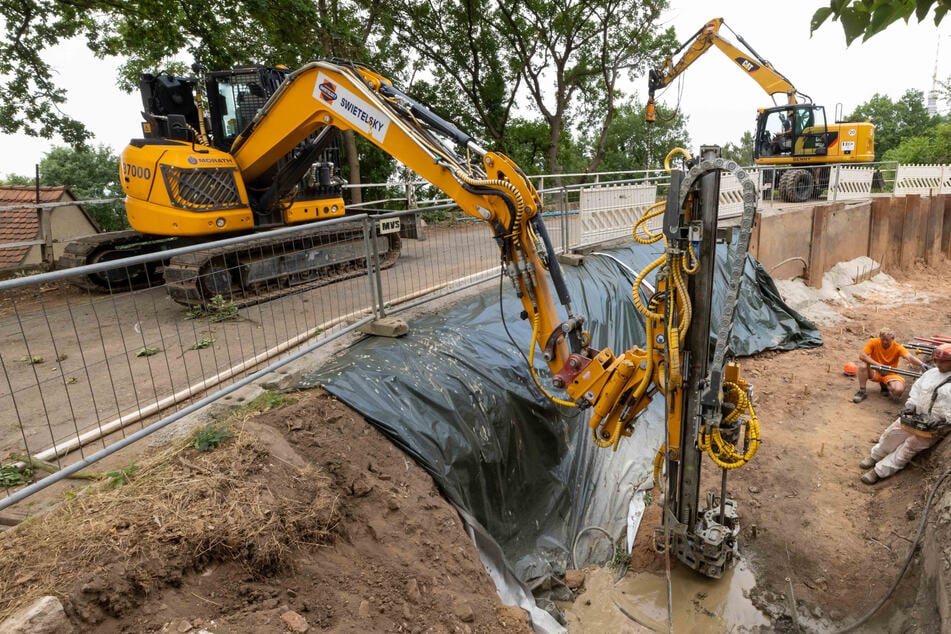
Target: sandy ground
{"type": "Point", "coordinates": [309, 517]}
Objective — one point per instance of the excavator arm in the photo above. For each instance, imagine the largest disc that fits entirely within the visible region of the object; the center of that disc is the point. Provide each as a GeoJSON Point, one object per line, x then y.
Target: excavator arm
{"type": "Point", "coordinates": [760, 70]}
{"type": "Point", "coordinates": [487, 186]}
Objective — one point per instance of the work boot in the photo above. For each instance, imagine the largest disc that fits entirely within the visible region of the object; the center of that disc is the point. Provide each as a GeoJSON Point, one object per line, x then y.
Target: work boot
{"type": "Point", "coordinates": [859, 396]}
{"type": "Point", "coordinates": [870, 477]}
{"type": "Point", "coordinates": [868, 462]}
{"type": "Point", "coordinates": [883, 388]}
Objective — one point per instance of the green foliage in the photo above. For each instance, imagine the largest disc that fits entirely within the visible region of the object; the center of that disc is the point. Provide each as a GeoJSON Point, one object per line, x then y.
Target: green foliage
{"type": "Point", "coordinates": [267, 401]}
{"type": "Point", "coordinates": [89, 174]}
{"type": "Point", "coordinates": [150, 34]}
{"type": "Point", "coordinates": [630, 139]}
{"type": "Point", "coordinates": [741, 153]}
{"type": "Point", "coordinates": [17, 180]}
{"type": "Point", "coordinates": [865, 18]}
{"type": "Point", "coordinates": [217, 310]}
{"type": "Point", "coordinates": [894, 120]}
{"type": "Point", "coordinates": [202, 343]}
{"type": "Point", "coordinates": [11, 476]}
{"type": "Point", "coordinates": [33, 360]}
{"type": "Point", "coordinates": [147, 351]}
{"type": "Point", "coordinates": [119, 477]}
{"type": "Point", "coordinates": [622, 558]}
{"type": "Point", "coordinates": [210, 436]}
{"type": "Point", "coordinates": [933, 147]}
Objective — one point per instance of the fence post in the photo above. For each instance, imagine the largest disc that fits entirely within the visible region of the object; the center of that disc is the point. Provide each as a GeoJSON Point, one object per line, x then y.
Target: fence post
{"type": "Point", "coordinates": [834, 190]}
{"type": "Point", "coordinates": [373, 267]}
{"type": "Point", "coordinates": [565, 241]}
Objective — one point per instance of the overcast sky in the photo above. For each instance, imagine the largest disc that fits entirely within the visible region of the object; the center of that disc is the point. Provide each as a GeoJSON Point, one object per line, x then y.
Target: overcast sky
{"type": "Point", "coordinates": [718, 100]}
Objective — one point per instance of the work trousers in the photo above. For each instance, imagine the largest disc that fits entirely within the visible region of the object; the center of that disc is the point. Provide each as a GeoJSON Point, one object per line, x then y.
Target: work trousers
{"type": "Point", "coordinates": [896, 448]}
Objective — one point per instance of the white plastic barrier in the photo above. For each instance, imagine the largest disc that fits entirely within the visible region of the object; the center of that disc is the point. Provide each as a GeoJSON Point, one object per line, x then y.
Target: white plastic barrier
{"type": "Point", "coordinates": [923, 179]}
{"type": "Point", "coordinates": [847, 182]}
{"type": "Point", "coordinates": [731, 194]}
{"type": "Point", "coordinates": [610, 211]}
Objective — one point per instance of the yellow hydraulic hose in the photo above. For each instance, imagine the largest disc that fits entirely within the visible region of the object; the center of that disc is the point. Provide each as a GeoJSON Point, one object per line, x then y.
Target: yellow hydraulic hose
{"type": "Point", "coordinates": [723, 453]}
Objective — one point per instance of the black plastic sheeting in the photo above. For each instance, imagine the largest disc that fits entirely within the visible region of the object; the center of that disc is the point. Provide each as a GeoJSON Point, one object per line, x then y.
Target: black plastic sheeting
{"type": "Point", "coordinates": [455, 393]}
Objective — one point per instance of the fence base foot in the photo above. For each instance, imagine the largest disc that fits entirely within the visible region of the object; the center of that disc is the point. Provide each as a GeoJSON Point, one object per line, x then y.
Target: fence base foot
{"type": "Point", "coordinates": [570, 259]}
{"type": "Point", "coordinates": [386, 327]}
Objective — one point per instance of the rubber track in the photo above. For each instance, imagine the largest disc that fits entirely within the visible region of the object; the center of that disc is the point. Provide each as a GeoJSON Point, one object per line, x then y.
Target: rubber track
{"type": "Point", "coordinates": [81, 251]}
{"type": "Point", "coordinates": [184, 273]}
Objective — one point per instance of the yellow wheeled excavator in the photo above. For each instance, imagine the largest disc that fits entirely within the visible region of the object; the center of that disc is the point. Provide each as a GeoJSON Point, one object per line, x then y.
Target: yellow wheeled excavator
{"type": "Point", "coordinates": [707, 401]}
{"type": "Point", "coordinates": [793, 134]}
{"type": "Point", "coordinates": [202, 172]}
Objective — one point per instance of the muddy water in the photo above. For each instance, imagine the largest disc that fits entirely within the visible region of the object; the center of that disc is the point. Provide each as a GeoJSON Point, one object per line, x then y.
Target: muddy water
{"type": "Point", "coordinates": [700, 605]}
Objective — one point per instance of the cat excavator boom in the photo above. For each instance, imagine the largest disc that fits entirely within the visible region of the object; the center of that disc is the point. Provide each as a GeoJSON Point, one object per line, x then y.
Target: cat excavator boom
{"type": "Point", "coordinates": [792, 133]}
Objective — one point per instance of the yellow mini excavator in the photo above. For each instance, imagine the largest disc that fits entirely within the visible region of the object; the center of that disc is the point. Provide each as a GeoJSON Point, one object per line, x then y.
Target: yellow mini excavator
{"type": "Point", "coordinates": [205, 172]}
{"type": "Point", "coordinates": [794, 134]}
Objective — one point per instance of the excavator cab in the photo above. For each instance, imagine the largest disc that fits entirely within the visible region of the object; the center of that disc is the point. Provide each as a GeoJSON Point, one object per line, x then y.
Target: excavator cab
{"type": "Point", "coordinates": [790, 131]}
{"type": "Point", "coordinates": [235, 96]}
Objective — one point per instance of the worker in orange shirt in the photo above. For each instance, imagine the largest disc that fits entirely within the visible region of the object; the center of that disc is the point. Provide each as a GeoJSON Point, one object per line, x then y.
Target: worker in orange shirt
{"type": "Point", "coordinates": [884, 350]}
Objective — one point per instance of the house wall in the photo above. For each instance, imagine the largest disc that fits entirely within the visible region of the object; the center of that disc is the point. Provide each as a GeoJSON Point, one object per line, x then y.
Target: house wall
{"type": "Point", "coordinates": [67, 223]}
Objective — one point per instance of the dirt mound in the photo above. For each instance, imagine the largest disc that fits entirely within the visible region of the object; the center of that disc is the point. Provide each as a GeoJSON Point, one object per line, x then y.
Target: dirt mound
{"type": "Point", "coordinates": [306, 509]}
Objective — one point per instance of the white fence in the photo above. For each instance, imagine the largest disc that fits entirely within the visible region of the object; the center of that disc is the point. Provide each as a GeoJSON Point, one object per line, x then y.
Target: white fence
{"type": "Point", "coordinates": [848, 182]}
{"type": "Point", "coordinates": [610, 211]}
{"type": "Point", "coordinates": [923, 179]}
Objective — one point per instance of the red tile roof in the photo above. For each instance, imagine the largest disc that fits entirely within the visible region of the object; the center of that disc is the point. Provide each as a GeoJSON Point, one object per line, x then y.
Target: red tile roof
{"type": "Point", "coordinates": [22, 225]}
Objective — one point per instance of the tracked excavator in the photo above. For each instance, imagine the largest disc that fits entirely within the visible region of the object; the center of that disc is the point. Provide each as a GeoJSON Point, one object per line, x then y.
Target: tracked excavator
{"type": "Point", "coordinates": [708, 410]}
{"type": "Point", "coordinates": [213, 164]}
{"type": "Point", "coordinates": [794, 134]}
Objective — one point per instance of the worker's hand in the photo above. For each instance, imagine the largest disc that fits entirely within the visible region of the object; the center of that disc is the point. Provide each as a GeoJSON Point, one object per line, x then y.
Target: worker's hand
{"type": "Point", "coordinates": [938, 421]}
{"type": "Point", "coordinates": [908, 409]}
{"type": "Point", "coordinates": [925, 367]}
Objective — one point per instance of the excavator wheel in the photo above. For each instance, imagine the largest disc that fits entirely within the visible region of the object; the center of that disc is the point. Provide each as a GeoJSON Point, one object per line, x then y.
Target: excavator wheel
{"type": "Point", "coordinates": [796, 186]}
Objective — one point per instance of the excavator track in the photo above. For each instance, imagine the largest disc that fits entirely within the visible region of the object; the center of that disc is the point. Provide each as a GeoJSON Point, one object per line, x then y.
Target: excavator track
{"type": "Point", "coordinates": [269, 267]}
{"type": "Point", "coordinates": [116, 245]}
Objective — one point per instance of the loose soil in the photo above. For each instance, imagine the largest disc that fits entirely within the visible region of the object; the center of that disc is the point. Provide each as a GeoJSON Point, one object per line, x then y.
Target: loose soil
{"type": "Point", "coordinates": [308, 517]}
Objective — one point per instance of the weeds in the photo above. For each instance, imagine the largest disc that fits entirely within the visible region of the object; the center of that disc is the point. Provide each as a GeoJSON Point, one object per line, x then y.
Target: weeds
{"type": "Point", "coordinates": [210, 436]}
{"type": "Point", "coordinates": [218, 309]}
{"type": "Point", "coordinates": [147, 351]}
{"type": "Point", "coordinates": [622, 558]}
{"type": "Point", "coordinates": [118, 477]}
{"type": "Point", "coordinates": [203, 343]}
{"type": "Point", "coordinates": [11, 476]}
{"type": "Point", "coordinates": [267, 401]}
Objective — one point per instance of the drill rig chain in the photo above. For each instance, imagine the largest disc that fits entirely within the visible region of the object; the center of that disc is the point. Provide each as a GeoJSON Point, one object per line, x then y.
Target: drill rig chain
{"type": "Point", "coordinates": [711, 398]}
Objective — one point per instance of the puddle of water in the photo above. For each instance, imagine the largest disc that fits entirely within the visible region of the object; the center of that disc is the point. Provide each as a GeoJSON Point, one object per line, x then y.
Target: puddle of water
{"type": "Point", "coordinates": [700, 604]}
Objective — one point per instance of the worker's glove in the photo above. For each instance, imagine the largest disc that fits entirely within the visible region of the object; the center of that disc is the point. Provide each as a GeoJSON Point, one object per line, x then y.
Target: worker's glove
{"type": "Point", "coordinates": [908, 409]}
{"type": "Point", "coordinates": [938, 422]}
{"type": "Point", "coordinates": [925, 367]}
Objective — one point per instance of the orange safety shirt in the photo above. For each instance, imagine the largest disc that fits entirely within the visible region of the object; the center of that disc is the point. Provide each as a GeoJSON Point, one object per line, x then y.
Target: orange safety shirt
{"type": "Point", "coordinates": [882, 356]}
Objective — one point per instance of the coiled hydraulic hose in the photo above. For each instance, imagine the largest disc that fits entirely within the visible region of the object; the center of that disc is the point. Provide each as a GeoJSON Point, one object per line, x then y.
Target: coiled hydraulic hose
{"type": "Point", "coordinates": [724, 453]}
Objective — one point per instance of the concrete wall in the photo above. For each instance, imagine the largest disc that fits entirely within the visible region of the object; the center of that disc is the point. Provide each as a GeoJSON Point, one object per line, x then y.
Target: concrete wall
{"type": "Point", "coordinates": [895, 231]}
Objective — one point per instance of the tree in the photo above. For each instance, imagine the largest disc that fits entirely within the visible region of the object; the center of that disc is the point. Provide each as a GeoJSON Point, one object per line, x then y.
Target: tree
{"type": "Point", "coordinates": [868, 17]}
{"type": "Point", "coordinates": [933, 147]}
{"type": "Point", "coordinates": [741, 153]}
{"type": "Point", "coordinates": [17, 179]}
{"type": "Point", "coordinates": [89, 174]}
{"type": "Point", "coordinates": [572, 53]}
{"type": "Point", "coordinates": [154, 35]}
{"type": "Point", "coordinates": [894, 121]}
{"type": "Point", "coordinates": [633, 144]}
